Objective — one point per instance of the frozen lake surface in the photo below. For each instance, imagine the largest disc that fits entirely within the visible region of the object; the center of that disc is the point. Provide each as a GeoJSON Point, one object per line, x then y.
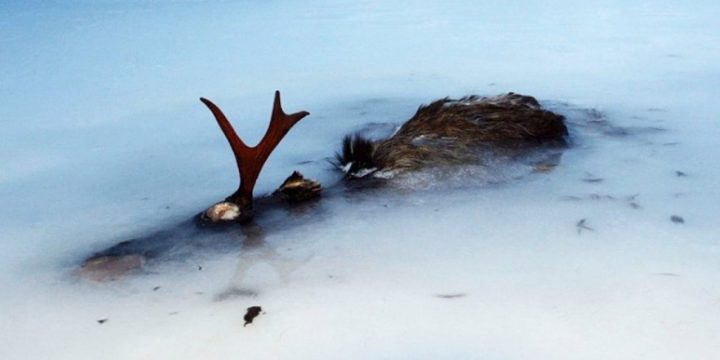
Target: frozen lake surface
{"type": "Point", "coordinates": [103, 140]}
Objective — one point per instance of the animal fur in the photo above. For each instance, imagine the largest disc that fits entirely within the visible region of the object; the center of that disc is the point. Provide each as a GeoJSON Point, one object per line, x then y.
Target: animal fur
{"type": "Point", "coordinates": [453, 132]}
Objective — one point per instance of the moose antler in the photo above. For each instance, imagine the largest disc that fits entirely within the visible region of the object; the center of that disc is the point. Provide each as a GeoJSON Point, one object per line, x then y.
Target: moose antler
{"type": "Point", "coordinates": [250, 160]}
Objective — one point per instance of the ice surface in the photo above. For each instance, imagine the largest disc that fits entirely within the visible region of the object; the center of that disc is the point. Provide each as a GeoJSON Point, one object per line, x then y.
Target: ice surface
{"type": "Point", "coordinates": [103, 140]}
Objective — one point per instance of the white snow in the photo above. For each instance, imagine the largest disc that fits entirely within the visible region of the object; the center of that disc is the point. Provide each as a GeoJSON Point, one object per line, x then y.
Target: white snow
{"type": "Point", "coordinates": [103, 139]}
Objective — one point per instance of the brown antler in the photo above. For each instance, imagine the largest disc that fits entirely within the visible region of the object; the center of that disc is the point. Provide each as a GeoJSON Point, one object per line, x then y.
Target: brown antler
{"type": "Point", "coordinates": [250, 160]}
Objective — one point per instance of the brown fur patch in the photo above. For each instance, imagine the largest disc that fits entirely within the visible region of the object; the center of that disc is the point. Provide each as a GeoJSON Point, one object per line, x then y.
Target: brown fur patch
{"type": "Point", "coordinates": [448, 132]}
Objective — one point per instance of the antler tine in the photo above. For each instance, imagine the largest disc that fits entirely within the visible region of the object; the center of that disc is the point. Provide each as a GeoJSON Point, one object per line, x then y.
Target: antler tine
{"type": "Point", "coordinates": [280, 124]}
{"type": "Point", "coordinates": [279, 115]}
{"type": "Point", "coordinates": [250, 160]}
{"type": "Point", "coordinates": [236, 143]}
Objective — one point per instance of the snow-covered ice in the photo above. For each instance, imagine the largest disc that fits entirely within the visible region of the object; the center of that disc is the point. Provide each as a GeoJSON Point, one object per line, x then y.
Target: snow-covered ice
{"type": "Point", "coordinates": [103, 139]}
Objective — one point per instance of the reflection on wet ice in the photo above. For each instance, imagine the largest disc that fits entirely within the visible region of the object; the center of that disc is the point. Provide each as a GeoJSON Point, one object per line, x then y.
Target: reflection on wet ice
{"type": "Point", "coordinates": [256, 251]}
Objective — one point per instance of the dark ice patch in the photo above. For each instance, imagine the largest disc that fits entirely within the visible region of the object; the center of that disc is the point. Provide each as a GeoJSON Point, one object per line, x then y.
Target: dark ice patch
{"type": "Point", "coordinates": [666, 274]}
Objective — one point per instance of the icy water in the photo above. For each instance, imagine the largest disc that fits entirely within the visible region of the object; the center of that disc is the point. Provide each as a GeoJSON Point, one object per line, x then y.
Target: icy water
{"type": "Point", "coordinates": [103, 139]}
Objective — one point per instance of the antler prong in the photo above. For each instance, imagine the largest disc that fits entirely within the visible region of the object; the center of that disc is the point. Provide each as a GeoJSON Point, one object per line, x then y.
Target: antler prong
{"type": "Point", "coordinates": [286, 120]}
{"type": "Point", "coordinates": [277, 105]}
{"type": "Point", "coordinates": [235, 142]}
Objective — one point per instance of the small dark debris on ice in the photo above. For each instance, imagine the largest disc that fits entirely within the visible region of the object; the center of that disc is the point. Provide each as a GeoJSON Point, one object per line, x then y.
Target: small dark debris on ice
{"type": "Point", "coordinates": [451, 296]}
{"type": "Point", "coordinates": [233, 293]}
{"type": "Point", "coordinates": [677, 219]}
{"type": "Point", "coordinates": [581, 225]}
{"type": "Point", "coordinates": [251, 314]}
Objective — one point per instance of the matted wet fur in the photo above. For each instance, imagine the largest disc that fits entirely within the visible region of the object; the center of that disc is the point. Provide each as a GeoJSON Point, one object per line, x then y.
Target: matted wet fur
{"type": "Point", "coordinates": [452, 132]}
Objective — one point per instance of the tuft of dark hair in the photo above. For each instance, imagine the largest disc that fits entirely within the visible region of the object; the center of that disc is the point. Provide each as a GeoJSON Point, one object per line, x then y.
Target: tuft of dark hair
{"type": "Point", "coordinates": [357, 151]}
